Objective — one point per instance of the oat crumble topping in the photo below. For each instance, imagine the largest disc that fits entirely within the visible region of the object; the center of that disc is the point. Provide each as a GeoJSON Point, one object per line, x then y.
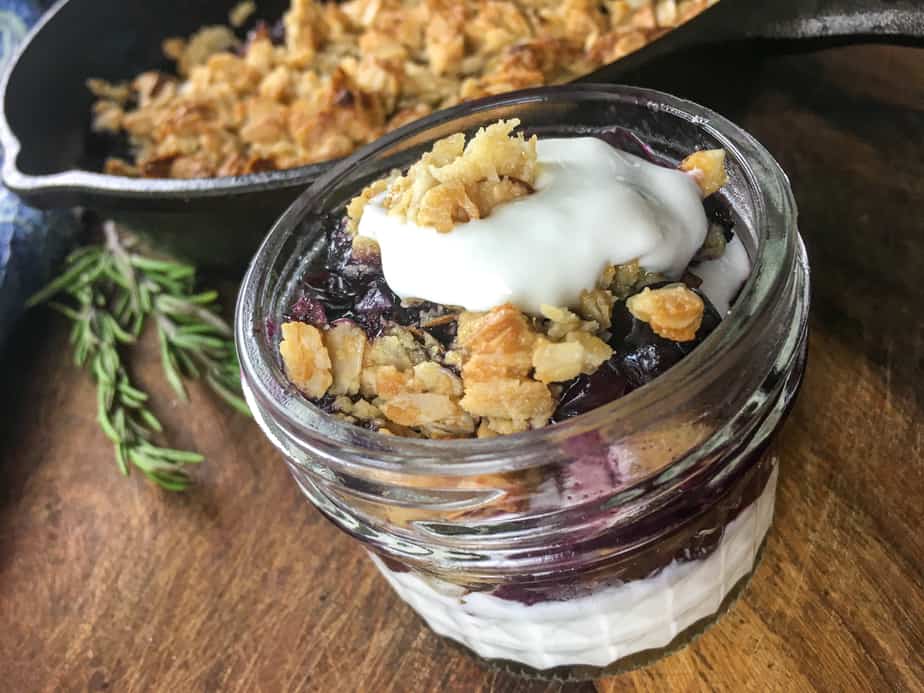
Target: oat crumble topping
{"type": "Point", "coordinates": [674, 312]}
{"type": "Point", "coordinates": [500, 371]}
{"type": "Point", "coordinates": [708, 169]}
{"type": "Point", "coordinates": [345, 73]}
{"type": "Point", "coordinates": [496, 379]}
{"type": "Point", "coordinates": [306, 358]}
{"type": "Point", "coordinates": [456, 182]}
{"type": "Point", "coordinates": [241, 12]}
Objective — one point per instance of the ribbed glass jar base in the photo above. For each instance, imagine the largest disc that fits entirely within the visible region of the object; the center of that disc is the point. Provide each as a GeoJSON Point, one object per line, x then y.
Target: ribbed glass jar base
{"type": "Point", "coordinates": [617, 627]}
{"type": "Point", "coordinates": [629, 662]}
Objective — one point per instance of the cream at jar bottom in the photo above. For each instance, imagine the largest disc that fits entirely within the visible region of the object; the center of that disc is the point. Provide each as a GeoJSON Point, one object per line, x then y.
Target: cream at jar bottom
{"type": "Point", "coordinates": [603, 627]}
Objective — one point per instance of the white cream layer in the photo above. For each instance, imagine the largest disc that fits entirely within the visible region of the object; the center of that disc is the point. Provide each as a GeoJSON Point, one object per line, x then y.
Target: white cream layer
{"type": "Point", "coordinates": [603, 627]}
{"type": "Point", "coordinates": [724, 277]}
{"type": "Point", "coordinates": [593, 205]}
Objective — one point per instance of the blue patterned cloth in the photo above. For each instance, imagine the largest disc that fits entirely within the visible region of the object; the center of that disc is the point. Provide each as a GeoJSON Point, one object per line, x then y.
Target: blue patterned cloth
{"type": "Point", "coordinates": [32, 241]}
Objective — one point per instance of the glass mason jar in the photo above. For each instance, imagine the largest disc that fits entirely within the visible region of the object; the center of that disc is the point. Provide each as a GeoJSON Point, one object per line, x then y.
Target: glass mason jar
{"type": "Point", "coordinates": [596, 544]}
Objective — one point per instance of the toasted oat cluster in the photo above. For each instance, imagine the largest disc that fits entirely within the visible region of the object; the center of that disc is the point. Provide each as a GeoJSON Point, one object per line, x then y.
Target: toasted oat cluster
{"type": "Point", "coordinates": [457, 182]}
{"type": "Point", "coordinates": [674, 312]}
{"type": "Point", "coordinates": [334, 76]}
{"type": "Point", "coordinates": [708, 169]}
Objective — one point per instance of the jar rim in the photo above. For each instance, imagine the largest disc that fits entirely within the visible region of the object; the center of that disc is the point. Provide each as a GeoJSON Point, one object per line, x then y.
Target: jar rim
{"type": "Point", "coordinates": [774, 223]}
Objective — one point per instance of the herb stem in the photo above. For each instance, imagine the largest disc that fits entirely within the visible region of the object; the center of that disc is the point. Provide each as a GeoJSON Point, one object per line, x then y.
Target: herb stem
{"type": "Point", "coordinates": [108, 291]}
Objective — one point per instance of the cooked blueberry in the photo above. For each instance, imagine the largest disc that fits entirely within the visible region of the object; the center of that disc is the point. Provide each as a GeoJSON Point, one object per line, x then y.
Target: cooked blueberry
{"type": "Point", "coordinates": [711, 320]}
{"type": "Point", "coordinates": [377, 300]}
{"type": "Point", "coordinates": [308, 309]}
{"type": "Point", "coordinates": [377, 304]}
{"type": "Point", "coordinates": [277, 32]}
{"type": "Point", "coordinates": [701, 545]}
{"type": "Point", "coordinates": [718, 212]}
{"type": "Point", "coordinates": [640, 354]}
{"type": "Point", "coordinates": [333, 290]}
{"type": "Point", "coordinates": [588, 392]}
{"type": "Point", "coordinates": [326, 403]}
{"type": "Point", "coordinates": [338, 248]}
{"type": "Point", "coordinates": [642, 363]}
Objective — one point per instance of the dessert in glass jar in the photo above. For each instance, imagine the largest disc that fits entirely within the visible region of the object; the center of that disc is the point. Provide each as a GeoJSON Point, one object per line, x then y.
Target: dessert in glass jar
{"type": "Point", "coordinates": [531, 351]}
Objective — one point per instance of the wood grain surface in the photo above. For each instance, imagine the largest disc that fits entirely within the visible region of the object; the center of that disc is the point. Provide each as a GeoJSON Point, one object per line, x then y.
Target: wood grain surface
{"type": "Point", "coordinates": [107, 584]}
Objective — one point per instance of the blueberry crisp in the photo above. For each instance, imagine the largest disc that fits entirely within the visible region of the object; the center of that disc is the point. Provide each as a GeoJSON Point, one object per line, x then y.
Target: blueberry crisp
{"type": "Point", "coordinates": [328, 77]}
{"type": "Point", "coordinates": [505, 283]}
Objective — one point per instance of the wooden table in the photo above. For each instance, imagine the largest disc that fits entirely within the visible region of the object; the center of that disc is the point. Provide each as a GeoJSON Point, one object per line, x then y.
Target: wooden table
{"type": "Point", "coordinates": [108, 584]}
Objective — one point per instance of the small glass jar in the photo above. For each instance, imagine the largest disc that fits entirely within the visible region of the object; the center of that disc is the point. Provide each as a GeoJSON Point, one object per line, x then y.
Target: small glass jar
{"type": "Point", "coordinates": [600, 543]}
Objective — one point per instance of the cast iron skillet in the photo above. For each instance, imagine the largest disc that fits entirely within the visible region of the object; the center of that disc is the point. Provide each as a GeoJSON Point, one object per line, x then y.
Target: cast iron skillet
{"type": "Point", "coordinates": [50, 154]}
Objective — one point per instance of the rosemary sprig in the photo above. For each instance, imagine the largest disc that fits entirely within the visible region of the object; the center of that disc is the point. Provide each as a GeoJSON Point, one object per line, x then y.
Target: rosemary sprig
{"type": "Point", "coordinates": [109, 291]}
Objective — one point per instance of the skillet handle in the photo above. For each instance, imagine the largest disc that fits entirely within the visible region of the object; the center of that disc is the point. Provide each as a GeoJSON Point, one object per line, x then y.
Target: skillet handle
{"type": "Point", "coordinates": [903, 20]}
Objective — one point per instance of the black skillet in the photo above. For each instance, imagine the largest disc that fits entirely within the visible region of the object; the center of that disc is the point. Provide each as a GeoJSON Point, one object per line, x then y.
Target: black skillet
{"type": "Point", "coordinates": [50, 155]}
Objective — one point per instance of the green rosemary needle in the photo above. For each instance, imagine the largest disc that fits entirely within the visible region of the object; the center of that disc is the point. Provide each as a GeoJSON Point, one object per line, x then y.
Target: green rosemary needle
{"type": "Point", "coordinates": [108, 292]}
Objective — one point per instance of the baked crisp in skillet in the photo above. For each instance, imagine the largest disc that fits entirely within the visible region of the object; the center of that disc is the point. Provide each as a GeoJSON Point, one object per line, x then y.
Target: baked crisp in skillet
{"type": "Point", "coordinates": [333, 76]}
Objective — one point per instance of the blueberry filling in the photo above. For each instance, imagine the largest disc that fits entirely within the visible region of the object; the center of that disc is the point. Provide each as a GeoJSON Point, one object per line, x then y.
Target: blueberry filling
{"type": "Point", "coordinates": [699, 524]}
{"type": "Point", "coordinates": [348, 285]}
{"type": "Point", "coordinates": [588, 392]}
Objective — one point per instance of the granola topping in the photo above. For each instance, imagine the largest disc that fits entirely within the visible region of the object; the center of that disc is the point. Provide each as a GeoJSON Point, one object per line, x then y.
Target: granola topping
{"type": "Point", "coordinates": [306, 359]}
{"type": "Point", "coordinates": [457, 182]}
{"type": "Point", "coordinates": [708, 170]}
{"type": "Point", "coordinates": [674, 312]}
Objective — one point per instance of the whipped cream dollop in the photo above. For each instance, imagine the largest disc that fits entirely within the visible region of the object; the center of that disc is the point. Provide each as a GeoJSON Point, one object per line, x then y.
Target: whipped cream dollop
{"type": "Point", "coordinates": [724, 277]}
{"type": "Point", "coordinates": [594, 205]}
